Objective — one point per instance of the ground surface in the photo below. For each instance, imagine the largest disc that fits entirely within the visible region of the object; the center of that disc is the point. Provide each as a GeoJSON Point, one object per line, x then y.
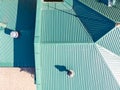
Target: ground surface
{"type": "Point", "coordinates": [17, 79]}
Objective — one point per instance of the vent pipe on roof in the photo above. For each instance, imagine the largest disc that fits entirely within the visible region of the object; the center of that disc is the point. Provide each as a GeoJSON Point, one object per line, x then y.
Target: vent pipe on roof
{"type": "Point", "coordinates": [70, 73]}
{"type": "Point", "coordinates": [14, 34]}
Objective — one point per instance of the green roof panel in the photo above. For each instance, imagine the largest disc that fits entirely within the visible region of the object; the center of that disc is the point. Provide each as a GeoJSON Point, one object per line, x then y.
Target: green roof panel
{"type": "Point", "coordinates": [96, 24]}
{"type": "Point", "coordinates": [91, 72]}
{"type": "Point", "coordinates": [6, 49]}
{"type": "Point", "coordinates": [112, 13]}
{"type": "Point", "coordinates": [62, 39]}
{"type": "Point", "coordinates": [111, 41]}
{"type": "Point", "coordinates": [55, 29]}
{"type": "Point", "coordinates": [18, 15]}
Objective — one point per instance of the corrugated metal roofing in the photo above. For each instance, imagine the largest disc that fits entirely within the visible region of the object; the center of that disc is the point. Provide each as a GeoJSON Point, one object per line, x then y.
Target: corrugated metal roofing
{"type": "Point", "coordinates": [111, 41]}
{"type": "Point", "coordinates": [8, 12]}
{"type": "Point", "coordinates": [25, 25]}
{"type": "Point", "coordinates": [80, 20]}
{"type": "Point", "coordinates": [91, 72]}
{"type": "Point", "coordinates": [62, 39]}
{"type": "Point", "coordinates": [18, 15]}
{"type": "Point", "coordinates": [6, 49]}
{"type": "Point", "coordinates": [8, 15]}
{"type": "Point", "coordinates": [55, 29]}
{"type": "Point", "coordinates": [96, 24]}
{"type": "Point", "coordinates": [112, 61]}
{"type": "Point", "coordinates": [112, 13]}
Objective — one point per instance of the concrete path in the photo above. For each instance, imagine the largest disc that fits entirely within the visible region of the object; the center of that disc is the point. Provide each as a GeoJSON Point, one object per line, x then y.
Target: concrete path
{"type": "Point", "coordinates": [17, 79]}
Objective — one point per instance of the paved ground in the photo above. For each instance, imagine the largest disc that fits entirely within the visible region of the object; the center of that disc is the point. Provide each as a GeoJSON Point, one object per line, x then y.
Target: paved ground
{"type": "Point", "coordinates": [17, 79]}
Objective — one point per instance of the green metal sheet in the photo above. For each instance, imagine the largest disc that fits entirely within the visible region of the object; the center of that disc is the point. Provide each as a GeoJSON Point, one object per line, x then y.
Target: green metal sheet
{"type": "Point", "coordinates": [57, 25]}
{"type": "Point", "coordinates": [39, 87]}
{"type": "Point", "coordinates": [18, 15]}
{"type": "Point", "coordinates": [38, 19]}
{"type": "Point", "coordinates": [25, 25]}
{"type": "Point", "coordinates": [6, 49]}
{"type": "Point", "coordinates": [112, 61]}
{"type": "Point", "coordinates": [8, 12]}
{"type": "Point", "coordinates": [91, 72]}
{"type": "Point", "coordinates": [8, 15]}
{"type": "Point", "coordinates": [62, 27]}
{"type": "Point", "coordinates": [96, 24]}
{"type": "Point", "coordinates": [111, 41]}
{"type": "Point", "coordinates": [62, 39]}
{"type": "Point", "coordinates": [112, 13]}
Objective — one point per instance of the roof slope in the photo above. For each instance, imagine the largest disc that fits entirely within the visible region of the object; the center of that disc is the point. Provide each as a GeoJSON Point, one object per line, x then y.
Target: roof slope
{"type": "Point", "coordinates": [66, 37]}
{"type": "Point", "coordinates": [112, 61]}
{"type": "Point", "coordinates": [80, 24]}
{"type": "Point", "coordinates": [18, 15]}
{"type": "Point", "coordinates": [8, 15]}
{"type": "Point", "coordinates": [6, 50]}
{"type": "Point", "coordinates": [91, 72]}
{"type": "Point", "coordinates": [55, 29]}
{"type": "Point", "coordinates": [112, 13]}
{"type": "Point", "coordinates": [111, 41]}
{"type": "Point", "coordinates": [96, 24]}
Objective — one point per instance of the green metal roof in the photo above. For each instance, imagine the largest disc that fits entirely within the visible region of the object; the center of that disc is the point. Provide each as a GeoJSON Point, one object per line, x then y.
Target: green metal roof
{"type": "Point", "coordinates": [55, 29]}
{"type": "Point", "coordinates": [91, 72]}
{"type": "Point", "coordinates": [112, 13]}
{"type": "Point", "coordinates": [62, 37]}
{"type": "Point", "coordinates": [96, 24]}
{"type": "Point", "coordinates": [8, 11]}
{"type": "Point", "coordinates": [80, 24]}
{"type": "Point", "coordinates": [6, 49]}
{"type": "Point", "coordinates": [111, 41]}
{"type": "Point", "coordinates": [112, 61]}
{"type": "Point", "coordinates": [18, 15]}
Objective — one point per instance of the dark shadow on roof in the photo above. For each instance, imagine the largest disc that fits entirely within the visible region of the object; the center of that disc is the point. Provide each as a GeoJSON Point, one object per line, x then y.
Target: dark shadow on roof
{"type": "Point", "coordinates": [25, 25]}
{"type": "Point", "coordinates": [96, 24]}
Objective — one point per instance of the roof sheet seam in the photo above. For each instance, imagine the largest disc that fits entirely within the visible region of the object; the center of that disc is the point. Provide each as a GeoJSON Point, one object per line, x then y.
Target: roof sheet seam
{"type": "Point", "coordinates": [86, 30]}
{"type": "Point", "coordinates": [105, 35]}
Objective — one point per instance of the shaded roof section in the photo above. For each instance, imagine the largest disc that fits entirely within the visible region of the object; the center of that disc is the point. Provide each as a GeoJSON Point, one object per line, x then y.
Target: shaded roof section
{"type": "Point", "coordinates": [86, 61]}
{"type": "Point", "coordinates": [96, 24]}
{"type": "Point", "coordinates": [112, 13]}
{"type": "Point", "coordinates": [25, 25]}
{"type": "Point", "coordinates": [111, 41]}
{"type": "Point", "coordinates": [18, 15]}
